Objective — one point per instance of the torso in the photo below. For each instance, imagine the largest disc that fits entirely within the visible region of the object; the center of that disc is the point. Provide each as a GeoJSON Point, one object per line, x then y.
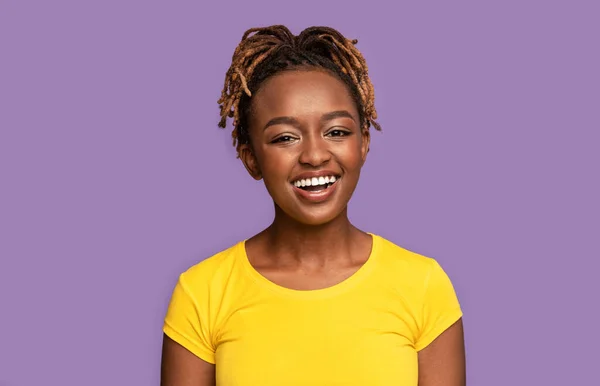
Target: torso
{"type": "Point", "coordinates": [362, 330]}
{"type": "Point", "coordinates": [336, 326]}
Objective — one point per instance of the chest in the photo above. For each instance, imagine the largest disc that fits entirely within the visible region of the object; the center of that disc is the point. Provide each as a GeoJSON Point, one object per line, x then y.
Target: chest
{"type": "Point", "coordinates": [316, 343]}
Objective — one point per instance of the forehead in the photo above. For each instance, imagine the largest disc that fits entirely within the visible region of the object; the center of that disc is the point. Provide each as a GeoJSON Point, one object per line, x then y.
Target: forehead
{"type": "Point", "coordinates": [301, 93]}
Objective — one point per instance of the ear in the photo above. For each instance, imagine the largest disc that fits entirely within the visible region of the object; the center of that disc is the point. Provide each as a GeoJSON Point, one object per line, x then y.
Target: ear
{"type": "Point", "coordinates": [366, 143]}
{"type": "Point", "coordinates": [248, 158]}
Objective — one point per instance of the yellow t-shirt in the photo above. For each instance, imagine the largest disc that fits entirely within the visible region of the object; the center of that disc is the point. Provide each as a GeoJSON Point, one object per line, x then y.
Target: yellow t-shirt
{"type": "Point", "coordinates": [366, 330]}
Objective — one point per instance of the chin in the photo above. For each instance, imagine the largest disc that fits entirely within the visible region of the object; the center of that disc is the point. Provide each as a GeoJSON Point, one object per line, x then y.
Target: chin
{"type": "Point", "coordinates": [315, 217]}
{"type": "Point", "coordinates": [316, 221]}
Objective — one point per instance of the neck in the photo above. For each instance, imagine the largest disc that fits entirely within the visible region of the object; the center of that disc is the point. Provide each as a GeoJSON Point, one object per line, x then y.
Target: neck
{"type": "Point", "coordinates": [311, 245]}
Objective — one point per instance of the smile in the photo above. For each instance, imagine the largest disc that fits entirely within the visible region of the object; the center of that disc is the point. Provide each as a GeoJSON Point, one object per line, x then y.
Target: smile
{"type": "Point", "coordinates": [315, 184]}
{"type": "Point", "coordinates": [316, 189]}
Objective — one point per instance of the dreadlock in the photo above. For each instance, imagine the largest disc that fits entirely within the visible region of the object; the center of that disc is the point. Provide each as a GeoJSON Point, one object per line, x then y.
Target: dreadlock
{"type": "Point", "coordinates": [265, 51]}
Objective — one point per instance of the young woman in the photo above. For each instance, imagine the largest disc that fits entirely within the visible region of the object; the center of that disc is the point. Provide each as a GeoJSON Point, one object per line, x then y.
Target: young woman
{"type": "Point", "coordinates": [311, 300]}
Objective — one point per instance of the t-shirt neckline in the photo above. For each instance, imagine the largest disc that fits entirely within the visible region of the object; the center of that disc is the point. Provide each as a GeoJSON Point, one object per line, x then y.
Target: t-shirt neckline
{"type": "Point", "coordinates": [360, 274]}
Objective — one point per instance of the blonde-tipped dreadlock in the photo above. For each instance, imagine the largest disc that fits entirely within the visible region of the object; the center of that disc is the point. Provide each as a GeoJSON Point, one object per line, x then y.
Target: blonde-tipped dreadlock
{"type": "Point", "coordinates": [268, 50]}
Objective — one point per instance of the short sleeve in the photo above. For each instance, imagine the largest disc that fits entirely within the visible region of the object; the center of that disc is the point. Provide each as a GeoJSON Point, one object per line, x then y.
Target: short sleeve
{"type": "Point", "coordinates": [187, 323]}
{"type": "Point", "coordinates": [441, 308]}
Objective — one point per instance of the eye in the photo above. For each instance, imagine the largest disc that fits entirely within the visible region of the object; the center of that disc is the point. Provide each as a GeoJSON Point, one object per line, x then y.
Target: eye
{"type": "Point", "coordinates": [338, 133]}
{"type": "Point", "coordinates": [283, 139]}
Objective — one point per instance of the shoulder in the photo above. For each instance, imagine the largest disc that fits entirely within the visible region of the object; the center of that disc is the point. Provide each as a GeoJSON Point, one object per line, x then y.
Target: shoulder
{"type": "Point", "coordinates": [213, 269]}
{"type": "Point", "coordinates": [397, 257]}
{"type": "Point", "coordinates": [423, 285]}
{"type": "Point", "coordinates": [407, 271]}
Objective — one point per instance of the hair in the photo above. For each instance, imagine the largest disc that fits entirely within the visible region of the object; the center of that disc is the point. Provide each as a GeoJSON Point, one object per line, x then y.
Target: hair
{"type": "Point", "coordinates": [266, 51]}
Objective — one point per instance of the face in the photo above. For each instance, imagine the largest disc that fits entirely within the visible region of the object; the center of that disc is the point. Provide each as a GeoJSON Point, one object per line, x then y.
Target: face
{"type": "Point", "coordinates": [306, 144]}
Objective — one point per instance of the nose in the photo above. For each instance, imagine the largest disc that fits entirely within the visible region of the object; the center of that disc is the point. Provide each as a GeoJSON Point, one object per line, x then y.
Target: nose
{"type": "Point", "coordinates": [314, 151]}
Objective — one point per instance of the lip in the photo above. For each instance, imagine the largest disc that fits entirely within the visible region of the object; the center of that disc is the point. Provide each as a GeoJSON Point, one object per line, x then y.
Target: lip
{"type": "Point", "coordinates": [319, 196]}
{"type": "Point", "coordinates": [321, 173]}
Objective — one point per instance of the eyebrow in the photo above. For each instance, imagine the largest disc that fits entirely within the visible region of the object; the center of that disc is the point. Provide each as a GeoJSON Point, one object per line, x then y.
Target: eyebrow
{"type": "Point", "coordinates": [336, 114]}
{"type": "Point", "coordinates": [294, 122]}
{"type": "Point", "coordinates": [282, 121]}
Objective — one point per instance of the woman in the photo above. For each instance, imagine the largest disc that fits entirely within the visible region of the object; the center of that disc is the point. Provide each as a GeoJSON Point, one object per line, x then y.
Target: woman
{"type": "Point", "coordinates": [311, 300]}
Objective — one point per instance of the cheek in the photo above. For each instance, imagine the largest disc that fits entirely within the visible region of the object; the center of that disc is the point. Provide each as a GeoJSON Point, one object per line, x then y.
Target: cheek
{"type": "Point", "coordinates": [351, 157]}
{"type": "Point", "coordinates": [275, 164]}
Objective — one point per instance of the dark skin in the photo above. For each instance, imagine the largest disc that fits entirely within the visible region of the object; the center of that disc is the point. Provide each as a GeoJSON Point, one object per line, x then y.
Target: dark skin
{"type": "Point", "coordinates": [304, 121]}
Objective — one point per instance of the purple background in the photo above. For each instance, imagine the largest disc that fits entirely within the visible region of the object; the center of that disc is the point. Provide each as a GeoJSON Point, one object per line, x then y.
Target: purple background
{"type": "Point", "coordinates": [115, 177]}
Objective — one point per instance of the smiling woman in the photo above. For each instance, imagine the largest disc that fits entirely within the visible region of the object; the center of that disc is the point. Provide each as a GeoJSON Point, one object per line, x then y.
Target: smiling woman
{"type": "Point", "coordinates": [310, 300]}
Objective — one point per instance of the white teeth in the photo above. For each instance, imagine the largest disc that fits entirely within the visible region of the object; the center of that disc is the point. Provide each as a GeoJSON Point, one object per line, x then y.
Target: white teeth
{"type": "Point", "coordinates": [314, 181]}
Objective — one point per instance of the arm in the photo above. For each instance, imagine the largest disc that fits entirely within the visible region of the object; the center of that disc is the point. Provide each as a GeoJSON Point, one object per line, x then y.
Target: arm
{"type": "Point", "coordinates": [442, 363]}
{"type": "Point", "coordinates": [180, 367]}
